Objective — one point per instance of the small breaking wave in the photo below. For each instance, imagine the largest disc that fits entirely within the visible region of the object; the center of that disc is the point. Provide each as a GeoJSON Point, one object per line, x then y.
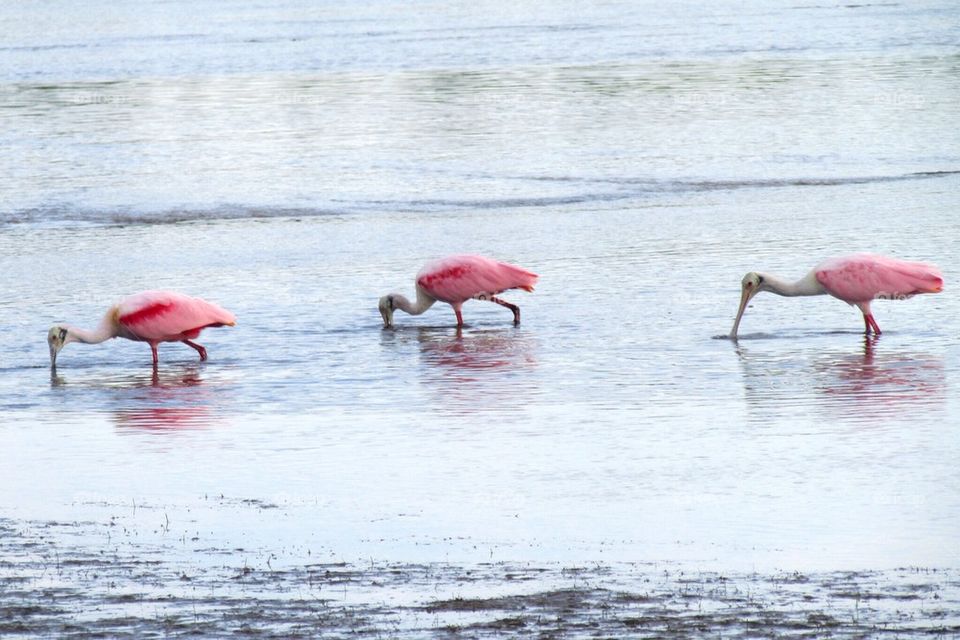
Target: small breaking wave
{"type": "Point", "coordinates": [619, 189]}
{"type": "Point", "coordinates": [60, 215]}
{"type": "Point", "coordinates": [678, 186]}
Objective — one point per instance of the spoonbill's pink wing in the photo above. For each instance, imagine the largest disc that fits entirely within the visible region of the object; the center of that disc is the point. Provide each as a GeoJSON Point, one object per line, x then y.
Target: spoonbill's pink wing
{"type": "Point", "coordinates": [863, 277]}
{"type": "Point", "coordinates": [167, 315]}
{"type": "Point", "coordinates": [459, 278]}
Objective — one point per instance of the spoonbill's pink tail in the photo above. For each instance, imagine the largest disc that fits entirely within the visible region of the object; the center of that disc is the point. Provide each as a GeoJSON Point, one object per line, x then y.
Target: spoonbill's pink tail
{"type": "Point", "coordinates": [914, 277]}
{"type": "Point", "coordinates": [524, 278]}
{"type": "Point", "coordinates": [931, 280]}
{"type": "Point", "coordinates": [510, 276]}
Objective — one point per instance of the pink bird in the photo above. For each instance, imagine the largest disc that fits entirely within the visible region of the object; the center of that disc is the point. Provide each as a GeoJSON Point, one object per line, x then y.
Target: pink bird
{"type": "Point", "coordinates": [148, 316]}
{"type": "Point", "coordinates": [856, 279]}
{"type": "Point", "coordinates": [456, 279]}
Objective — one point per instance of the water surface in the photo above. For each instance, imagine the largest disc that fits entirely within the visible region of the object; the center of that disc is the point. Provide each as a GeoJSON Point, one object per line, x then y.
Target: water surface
{"type": "Point", "coordinates": [294, 163]}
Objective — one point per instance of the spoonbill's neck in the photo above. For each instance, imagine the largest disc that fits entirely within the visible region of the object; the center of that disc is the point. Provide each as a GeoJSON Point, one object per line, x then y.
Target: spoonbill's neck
{"type": "Point", "coordinates": [424, 302]}
{"type": "Point", "coordinates": [105, 330]}
{"type": "Point", "coordinates": [805, 286]}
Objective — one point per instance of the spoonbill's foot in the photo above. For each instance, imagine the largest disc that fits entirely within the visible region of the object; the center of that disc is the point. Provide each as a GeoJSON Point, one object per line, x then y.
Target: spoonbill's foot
{"type": "Point", "coordinates": [871, 323]}
{"type": "Point", "coordinates": [200, 349]}
{"type": "Point", "coordinates": [512, 307]}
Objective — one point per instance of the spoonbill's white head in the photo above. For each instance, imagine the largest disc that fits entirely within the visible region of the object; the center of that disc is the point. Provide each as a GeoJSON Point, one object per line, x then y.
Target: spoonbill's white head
{"type": "Point", "coordinates": [752, 284]}
{"type": "Point", "coordinates": [386, 310]}
{"type": "Point", "coordinates": [58, 336]}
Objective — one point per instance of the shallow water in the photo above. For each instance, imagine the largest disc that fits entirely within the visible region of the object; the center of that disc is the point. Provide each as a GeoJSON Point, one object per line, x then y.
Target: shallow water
{"type": "Point", "coordinates": [294, 164]}
{"type": "Point", "coordinates": [611, 417]}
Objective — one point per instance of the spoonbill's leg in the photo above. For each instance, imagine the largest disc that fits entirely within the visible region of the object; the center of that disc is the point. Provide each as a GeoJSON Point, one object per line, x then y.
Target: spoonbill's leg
{"type": "Point", "coordinates": [456, 309]}
{"type": "Point", "coordinates": [512, 307]}
{"type": "Point", "coordinates": [866, 324]}
{"type": "Point", "coordinates": [868, 317]}
{"type": "Point", "coordinates": [153, 348]}
{"type": "Point", "coordinates": [200, 349]}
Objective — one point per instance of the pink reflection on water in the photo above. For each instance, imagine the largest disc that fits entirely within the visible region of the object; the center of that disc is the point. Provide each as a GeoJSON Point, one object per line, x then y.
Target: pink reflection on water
{"type": "Point", "coordinates": [461, 353]}
{"type": "Point", "coordinates": [164, 418]}
{"type": "Point", "coordinates": [879, 381]}
{"type": "Point", "coordinates": [469, 371]}
{"type": "Point", "coordinates": [177, 400]}
{"type": "Point", "coordinates": [165, 400]}
{"type": "Point", "coordinates": [870, 383]}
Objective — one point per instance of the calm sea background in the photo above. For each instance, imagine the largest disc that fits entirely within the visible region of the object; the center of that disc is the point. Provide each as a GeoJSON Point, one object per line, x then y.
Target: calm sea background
{"type": "Point", "coordinates": [294, 161]}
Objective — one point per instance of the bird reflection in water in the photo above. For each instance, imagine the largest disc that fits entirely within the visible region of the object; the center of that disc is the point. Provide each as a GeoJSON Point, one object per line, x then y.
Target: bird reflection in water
{"type": "Point", "coordinates": [869, 384]}
{"type": "Point", "coordinates": [478, 370]}
{"type": "Point", "coordinates": [878, 382]}
{"type": "Point", "coordinates": [164, 419]}
{"type": "Point", "coordinates": [186, 376]}
{"type": "Point", "coordinates": [167, 399]}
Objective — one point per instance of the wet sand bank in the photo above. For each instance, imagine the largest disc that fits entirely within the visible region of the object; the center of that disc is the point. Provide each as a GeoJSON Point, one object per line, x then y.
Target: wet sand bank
{"type": "Point", "coordinates": [96, 579]}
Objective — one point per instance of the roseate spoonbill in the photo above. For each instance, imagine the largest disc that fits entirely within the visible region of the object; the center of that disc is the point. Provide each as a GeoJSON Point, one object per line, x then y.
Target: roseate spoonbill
{"type": "Point", "coordinates": [456, 279]}
{"type": "Point", "coordinates": [148, 316]}
{"type": "Point", "coordinates": [856, 279]}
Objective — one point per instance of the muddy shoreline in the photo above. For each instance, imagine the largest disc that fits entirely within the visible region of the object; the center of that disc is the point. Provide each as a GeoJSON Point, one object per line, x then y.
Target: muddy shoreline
{"type": "Point", "coordinates": [72, 580]}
